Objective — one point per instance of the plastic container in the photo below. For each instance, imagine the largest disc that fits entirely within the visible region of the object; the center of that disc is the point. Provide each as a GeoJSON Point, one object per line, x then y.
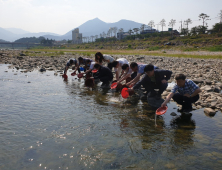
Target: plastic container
{"type": "Point", "coordinates": [89, 83]}
{"type": "Point", "coordinates": [94, 71]}
{"type": "Point", "coordinates": [73, 74]}
{"type": "Point", "coordinates": [161, 110]}
{"type": "Point", "coordinates": [113, 85]}
{"type": "Point", "coordinates": [125, 93]}
{"type": "Point", "coordinates": [80, 75]}
{"type": "Point", "coordinates": [64, 76]}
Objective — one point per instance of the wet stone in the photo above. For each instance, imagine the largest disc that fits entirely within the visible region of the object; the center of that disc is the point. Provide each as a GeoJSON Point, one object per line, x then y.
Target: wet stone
{"type": "Point", "coordinates": [209, 111]}
{"type": "Point", "coordinates": [42, 69]}
{"type": "Point", "coordinates": [173, 114]}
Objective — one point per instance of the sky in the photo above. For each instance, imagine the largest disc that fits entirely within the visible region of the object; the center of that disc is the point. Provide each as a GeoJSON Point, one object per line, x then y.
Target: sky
{"type": "Point", "coordinates": [61, 16]}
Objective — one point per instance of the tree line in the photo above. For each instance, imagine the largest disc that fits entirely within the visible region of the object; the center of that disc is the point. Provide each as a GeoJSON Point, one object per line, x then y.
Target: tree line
{"type": "Point", "coordinates": [134, 33]}
{"type": "Point", "coordinates": [34, 40]}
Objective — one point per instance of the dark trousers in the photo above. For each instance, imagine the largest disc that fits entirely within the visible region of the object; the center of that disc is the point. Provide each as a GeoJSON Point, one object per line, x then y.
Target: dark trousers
{"type": "Point", "coordinates": [105, 79]}
{"type": "Point", "coordinates": [161, 87]}
{"type": "Point", "coordinates": [110, 66]}
{"type": "Point", "coordinates": [186, 102]}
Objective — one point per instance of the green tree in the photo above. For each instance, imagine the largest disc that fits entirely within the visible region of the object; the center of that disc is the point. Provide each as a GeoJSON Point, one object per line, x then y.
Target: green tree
{"type": "Point", "coordinates": [187, 22]}
{"type": "Point", "coordinates": [172, 23]}
{"type": "Point", "coordinates": [220, 16]}
{"type": "Point", "coordinates": [204, 18]}
{"type": "Point", "coordinates": [217, 27]}
{"type": "Point", "coordinates": [130, 31]}
{"type": "Point", "coordinates": [151, 24]}
{"type": "Point", "coordinates": [184, 31]}
{"type": "Point", "coordinates": [162, 23]}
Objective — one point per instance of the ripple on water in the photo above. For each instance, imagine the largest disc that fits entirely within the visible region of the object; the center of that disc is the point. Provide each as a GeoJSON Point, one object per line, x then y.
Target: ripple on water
{"type": "Point", "coordinates": [52, 124]}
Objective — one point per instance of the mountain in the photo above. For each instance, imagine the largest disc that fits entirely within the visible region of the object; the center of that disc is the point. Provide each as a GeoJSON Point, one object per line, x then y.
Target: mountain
{"type": "Point", "coordinates": [97, 26]}
{"type": "Point", "coordinates": [17, 30]}
{"type": "Point", "coordinates": [11, 36]}
{"type": "Point", "coordinates": [3, 40]}
{"type": "Point", "coordinates": [6, 35]}
{"type": "Point", "coordinates": [89, 28]}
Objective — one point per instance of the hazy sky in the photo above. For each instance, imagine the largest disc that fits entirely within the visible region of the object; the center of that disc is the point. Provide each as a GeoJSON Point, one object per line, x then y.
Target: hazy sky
{"type": "Point", "coordinates": [61, 16]}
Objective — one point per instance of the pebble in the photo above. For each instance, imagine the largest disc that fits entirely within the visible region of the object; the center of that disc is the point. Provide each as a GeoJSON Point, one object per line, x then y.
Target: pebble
{"type": "Point", "coordinates": [173, 114]}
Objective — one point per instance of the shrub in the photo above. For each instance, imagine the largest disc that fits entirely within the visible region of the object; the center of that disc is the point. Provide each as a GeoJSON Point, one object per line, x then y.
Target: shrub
{"type": "Point", "coordinates": [153, 48]}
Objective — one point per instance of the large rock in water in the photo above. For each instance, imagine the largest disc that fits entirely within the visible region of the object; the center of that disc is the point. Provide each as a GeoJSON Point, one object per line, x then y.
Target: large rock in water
{"type": "Point", "coordinates": [209, 111]}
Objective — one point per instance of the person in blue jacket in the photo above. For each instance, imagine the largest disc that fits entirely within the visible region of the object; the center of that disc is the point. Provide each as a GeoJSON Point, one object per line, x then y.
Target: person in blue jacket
{"type": "Point", "coordinates": [154, 79]}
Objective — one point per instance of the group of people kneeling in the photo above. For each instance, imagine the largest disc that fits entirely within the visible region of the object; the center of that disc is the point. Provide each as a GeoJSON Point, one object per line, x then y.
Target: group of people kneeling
{"type": "Point", "coordinates": [154, 80]}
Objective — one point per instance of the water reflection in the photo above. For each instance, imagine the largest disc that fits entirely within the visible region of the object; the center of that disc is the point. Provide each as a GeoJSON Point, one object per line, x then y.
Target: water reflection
{"type": "Point", "coordinates": [184, 128]}
{"type": "Point", "coordinates": [63, 125]}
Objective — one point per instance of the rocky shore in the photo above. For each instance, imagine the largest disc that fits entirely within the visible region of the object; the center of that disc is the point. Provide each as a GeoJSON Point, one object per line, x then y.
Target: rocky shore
{"type": "Point", "coordinates": [206, 73]}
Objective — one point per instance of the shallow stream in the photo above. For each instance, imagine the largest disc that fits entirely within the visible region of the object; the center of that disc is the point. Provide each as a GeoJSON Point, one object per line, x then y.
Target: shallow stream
{"type": "Point", "coordinates": [48, 123]}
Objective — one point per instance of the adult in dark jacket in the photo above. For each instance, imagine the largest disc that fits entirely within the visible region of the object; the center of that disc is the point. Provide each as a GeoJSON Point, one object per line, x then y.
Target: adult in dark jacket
{"type": "Point", "coordinates": [154, 79]}
{"type": "Point", "coordinates": [104, 74]}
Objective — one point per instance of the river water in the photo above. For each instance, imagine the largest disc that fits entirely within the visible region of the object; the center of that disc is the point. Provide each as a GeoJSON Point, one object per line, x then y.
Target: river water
{"type": "Point", "coordinates": [48, 123]}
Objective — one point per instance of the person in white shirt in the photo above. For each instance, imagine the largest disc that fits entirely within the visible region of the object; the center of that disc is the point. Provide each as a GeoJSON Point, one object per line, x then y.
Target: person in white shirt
{"type": "Point", "coordinates": [99, 57]}
{"type": "Point", "coordinates": [71, 62]}
{"type": "Point", "coordinates": [127, 74]}
{"type": "Point", "coordinates": [118, 67]}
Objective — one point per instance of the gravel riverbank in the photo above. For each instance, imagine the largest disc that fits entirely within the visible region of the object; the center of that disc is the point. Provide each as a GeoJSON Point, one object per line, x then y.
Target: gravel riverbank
{"type": "Point", "coordinates": [206, 73]}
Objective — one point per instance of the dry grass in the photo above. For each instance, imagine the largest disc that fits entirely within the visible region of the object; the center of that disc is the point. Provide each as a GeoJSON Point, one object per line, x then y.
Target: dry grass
{"type": "Point", "coordinates": [200, 54]}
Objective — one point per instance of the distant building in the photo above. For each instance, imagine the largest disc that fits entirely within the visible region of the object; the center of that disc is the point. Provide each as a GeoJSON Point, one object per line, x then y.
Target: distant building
{"type": "Point", "coordinates": [174, 32]}
{"type": "Point", "coordinates": [76, 36]}
{"type": "Point", "coordinates": [148, 31]}
{"type": "Point", "coordinates": [122, 35]}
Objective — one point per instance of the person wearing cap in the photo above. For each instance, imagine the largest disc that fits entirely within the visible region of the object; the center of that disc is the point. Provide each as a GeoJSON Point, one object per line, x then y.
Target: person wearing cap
{"type": "Point", "coordinates": [118, 67]}
{"type": "Point", "coordinates": [71, 62]}
{"type": "Point", "coordinates": [99, 57]}
{"type": "Point", "coordinates": [138, 70]}
{"type": "Point", "coordinates": [104, 74]}
{"type": "Point", "coordinates": [185, 92]}
{"type": "Point", "coordinates": [153, 79]}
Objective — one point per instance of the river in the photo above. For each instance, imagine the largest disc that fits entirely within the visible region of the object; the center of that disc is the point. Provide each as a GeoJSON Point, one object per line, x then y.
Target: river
{"type": "Point", "coordinates": [48, 123]}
